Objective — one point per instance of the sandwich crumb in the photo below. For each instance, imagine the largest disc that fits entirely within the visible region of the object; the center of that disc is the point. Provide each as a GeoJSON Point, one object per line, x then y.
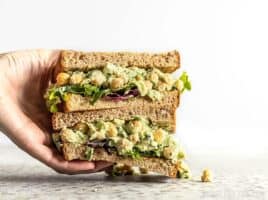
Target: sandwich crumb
{"type": "Point", "coordinates": [183, 170]}
{"type": "Point", "coordinates": [206, 176]}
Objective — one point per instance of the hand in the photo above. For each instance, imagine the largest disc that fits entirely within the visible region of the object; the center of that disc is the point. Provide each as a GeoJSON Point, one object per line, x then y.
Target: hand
{"type": "Point", "coordinates": [24, 76]}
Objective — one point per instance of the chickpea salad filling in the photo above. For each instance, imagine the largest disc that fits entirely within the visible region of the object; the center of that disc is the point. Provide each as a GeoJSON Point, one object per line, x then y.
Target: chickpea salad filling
{"type": "Point", "coordinates": [115, 83]}
{"type": "Point", "coordinates": [126, 170]}
{"type": "Point", "coordinates": [128, 138]}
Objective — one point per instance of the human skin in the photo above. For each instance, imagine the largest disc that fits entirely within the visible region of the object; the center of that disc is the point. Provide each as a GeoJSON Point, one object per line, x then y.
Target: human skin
{"type": "Point", "coordinates": [24, 76]}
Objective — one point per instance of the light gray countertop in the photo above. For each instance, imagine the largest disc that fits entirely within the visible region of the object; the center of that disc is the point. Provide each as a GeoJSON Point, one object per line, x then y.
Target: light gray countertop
{"type": "Point", "coordinates": [236, 177]}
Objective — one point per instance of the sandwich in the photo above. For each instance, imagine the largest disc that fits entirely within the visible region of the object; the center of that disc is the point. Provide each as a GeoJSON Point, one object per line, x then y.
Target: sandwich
{"type": "Point", "coordinates": [118, 107]}
{"type": "Point", "coordinates": [133, 141]}
{"type": "Point", "coordinates": [92, 81]}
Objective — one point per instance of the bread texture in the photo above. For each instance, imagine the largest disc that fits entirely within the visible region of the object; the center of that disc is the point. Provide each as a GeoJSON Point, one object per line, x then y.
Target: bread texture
{"type": "Point", "coordinates": [84, 61]}
{"type": "Point", "coordinates": [76, 102]}
{"type": "Point", "coordinates": [163, 116]}
{"type": "Point", "coordinates": [159, 165]}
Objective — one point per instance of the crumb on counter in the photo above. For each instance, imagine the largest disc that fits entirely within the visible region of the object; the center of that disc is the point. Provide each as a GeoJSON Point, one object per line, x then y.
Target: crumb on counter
{"type": "Point", "coordinates": [206, 176]}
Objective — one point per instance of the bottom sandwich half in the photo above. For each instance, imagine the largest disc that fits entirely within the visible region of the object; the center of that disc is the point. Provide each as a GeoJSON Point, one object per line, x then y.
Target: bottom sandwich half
{"type": "Point", "coordinates": [159, 165]}
{"type": "Point", "coordinates": [135, 141]}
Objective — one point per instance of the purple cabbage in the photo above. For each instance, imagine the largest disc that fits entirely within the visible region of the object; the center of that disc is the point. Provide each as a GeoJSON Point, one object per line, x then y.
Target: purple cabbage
{"type": "Point", "coordinates": [121, 97]}
{"type": "Point", "coordinates": [96, 144]}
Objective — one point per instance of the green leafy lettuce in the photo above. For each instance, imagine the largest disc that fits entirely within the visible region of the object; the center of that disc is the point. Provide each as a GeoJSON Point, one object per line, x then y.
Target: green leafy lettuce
{"type": "Point", "coordinates": [136, 153]}
{"type": "Point", "coordinates": [186, 82]}
{"type": "Point", "coordinates": [55, 95]}
{"type": "Point", "coordinates": [89, 153]}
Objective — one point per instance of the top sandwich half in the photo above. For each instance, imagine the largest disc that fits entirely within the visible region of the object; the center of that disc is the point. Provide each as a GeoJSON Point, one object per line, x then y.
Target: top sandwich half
{"type": "Point", "coordinates": [96, 80]}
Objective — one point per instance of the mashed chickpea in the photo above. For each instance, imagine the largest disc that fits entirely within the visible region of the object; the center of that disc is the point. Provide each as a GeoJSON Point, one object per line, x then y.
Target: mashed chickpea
{"type": "Point", "coordinates": [97, 78]}
{"type": "Point", "coordinates": [134, 138]}
{"type": "Point", "coordinates": [77, 78]}
{"type": "Point", "coordinates": [153, 76]}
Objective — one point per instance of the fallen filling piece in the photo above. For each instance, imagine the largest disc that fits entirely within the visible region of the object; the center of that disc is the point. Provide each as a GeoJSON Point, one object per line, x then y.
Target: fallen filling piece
{"type": "Point", "coordinates": [114, 83]}
{"type": "Point", "coordinates": [128, 138]}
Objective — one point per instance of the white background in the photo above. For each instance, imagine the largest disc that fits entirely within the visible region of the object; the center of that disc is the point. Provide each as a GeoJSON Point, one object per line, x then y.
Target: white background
{"type": "Point", "coordinates": [223, 46]}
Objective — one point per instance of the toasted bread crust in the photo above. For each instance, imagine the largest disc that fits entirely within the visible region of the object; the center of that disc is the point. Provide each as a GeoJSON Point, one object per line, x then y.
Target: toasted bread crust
{"type": "Point", "coordinates": [165, 116]}
{"type": "Point", "coordinates": [84, 61]}
{"type": "Point", "coordinates": [159, 165]}
{"type": "Point", "coordinates": [76, 102]}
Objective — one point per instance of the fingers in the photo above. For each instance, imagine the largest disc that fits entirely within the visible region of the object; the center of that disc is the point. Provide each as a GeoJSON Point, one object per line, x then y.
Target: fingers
{"type": "Point", "coordinates": [76, 167]}
{"type": "Point", "coordinates": [36, 142]}
{"type": "Point", "coordinates": [31, 65]}
{"type": "Point", "coordinates": [38, 57]}
{"type": "Point", "coordinates": [102, 165]}
{"type": "Point", "coordinates": [54, 160]}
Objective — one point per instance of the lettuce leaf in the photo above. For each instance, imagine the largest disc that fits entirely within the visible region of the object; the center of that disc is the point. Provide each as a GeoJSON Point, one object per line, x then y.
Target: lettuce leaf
{"type": "Point", "coordinates": [89, 153]}
{"type": "Point", "coordinates": [134, 154]}
{"type": "Point", "coordinates": [56, 95]}
{"type": "Point", "coordinates": [186, 82]}
{"type": "Point", "coordinates": [53, 98]}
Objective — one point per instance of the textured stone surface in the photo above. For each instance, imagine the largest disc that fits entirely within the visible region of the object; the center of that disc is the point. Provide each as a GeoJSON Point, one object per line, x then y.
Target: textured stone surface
{"type": "Point", "coordinates": [22, 177]}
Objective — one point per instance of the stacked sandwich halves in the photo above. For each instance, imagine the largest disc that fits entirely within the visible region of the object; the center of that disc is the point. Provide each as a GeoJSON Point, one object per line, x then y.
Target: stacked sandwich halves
{"type": "Point", "coordinates": [118, 107]}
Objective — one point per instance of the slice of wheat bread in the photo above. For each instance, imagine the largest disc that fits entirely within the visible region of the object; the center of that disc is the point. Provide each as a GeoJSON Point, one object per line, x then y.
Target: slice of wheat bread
{"type": "Point", "coordinates": [77, 60]}
{"type": "Point", "coordinates": [159, 165]}
{"type": "Point", "coordinates": [163, 116]}
{"type": "Point", "coordinates": [76, 102]}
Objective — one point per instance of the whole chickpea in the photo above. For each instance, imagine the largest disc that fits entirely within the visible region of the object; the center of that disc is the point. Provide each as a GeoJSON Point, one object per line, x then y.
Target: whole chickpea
{"type": "Point", "coordinates": [139, 77]}
{"type": "Point", "coordinates": [117, 83]}
{"type": "Point", "coordinates": [135, 126]}
{"type": "Point", "coordinates": [62, 78]}
{"type": "Point", "coordinates": [168, 152]}
{"type": "Point", "coordinates": [112, 130]}
{"type": "Point", "coordinates": [206, 176]}
{"type": "Point", "coordinates": [82, 127]}
{"type": "Point", "coordinates": [159, 135]}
